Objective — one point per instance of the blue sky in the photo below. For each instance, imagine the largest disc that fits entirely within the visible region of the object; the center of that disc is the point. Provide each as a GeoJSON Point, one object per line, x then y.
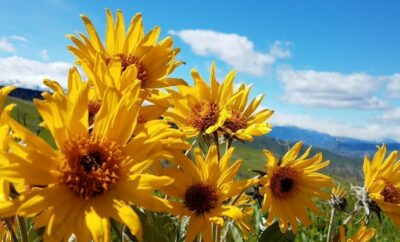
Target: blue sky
{"type": "Point", "coordinates": [329, 66]}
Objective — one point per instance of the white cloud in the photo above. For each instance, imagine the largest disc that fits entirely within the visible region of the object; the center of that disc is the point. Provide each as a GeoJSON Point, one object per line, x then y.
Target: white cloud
{"type": "Point", "coordinates": [28, 73]}
{"type": "Point", "coordinates": [330, 89]}
{"type": "Point", "coordinates": [19, 38]}
{"type": "Point", "coordinates": [392, 115]}
{"type": "Point", "coordinates": [44, 54]}
{"type": "Point", "coordinates": [280, 49]}
{"type": "Point", "coordinates": [6, 46]}
{"type": "Point", "coordinates": [370, 131]}
{"type": "Point", "coordinates": [393, 86]}
{"type": "Point", "coordinates": [235, 50]}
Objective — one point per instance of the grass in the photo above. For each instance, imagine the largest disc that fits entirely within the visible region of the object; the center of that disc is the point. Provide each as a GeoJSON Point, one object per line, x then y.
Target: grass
{"type": "Point", "coordinates": [26, 114]}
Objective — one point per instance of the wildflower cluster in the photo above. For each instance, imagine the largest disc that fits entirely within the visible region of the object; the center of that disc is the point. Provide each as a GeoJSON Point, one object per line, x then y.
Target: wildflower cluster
{"type": "Point", "coordinates": [132, 141]}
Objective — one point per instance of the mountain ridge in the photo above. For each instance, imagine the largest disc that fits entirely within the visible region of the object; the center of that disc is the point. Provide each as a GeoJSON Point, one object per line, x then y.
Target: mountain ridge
{"type": "Point", "coordinates": [349, 147]}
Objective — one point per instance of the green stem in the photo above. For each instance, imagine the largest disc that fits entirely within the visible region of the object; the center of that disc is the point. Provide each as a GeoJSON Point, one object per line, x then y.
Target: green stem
{"type": "Point", "coordinates": [330, 228]}
{"type": "Point", "coordinates": [122, 233]}
{"type": "Point", "coordinates": [237, 198]}
{"type": "Point", "coordinates": [23, 229]}
{"type": "Point", "coordinates": [10, 228]}
{"type": "Point", "coordinates": [216, 232]}
{"type": "Point", "coordinates": [228, 143]}
{"type": "Point", "coordinates": [350, 218]}
{"type": "Point", "coordinates": [216, 141]}
{"type": "Point", "coordinates": [193, 143]}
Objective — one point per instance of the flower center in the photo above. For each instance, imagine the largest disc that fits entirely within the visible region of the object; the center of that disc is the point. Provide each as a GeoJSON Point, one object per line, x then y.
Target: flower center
{"type": "Point", "coordinates": [283, 183]}
{"type": "Point", "coordinates": [390, 193]}
{"type": "Point", "coordinates": [236, 122]}
{"type": "Point", "coordinates": [204, 114]}
{"type": "Point", "coordinates": [93, 108]}
{"type": "Point", "coordinates": [141, 119]}
{"type": "Point", "coordinates": [92, 165]}
{"type": "Point", "coordinates": [200, 198]}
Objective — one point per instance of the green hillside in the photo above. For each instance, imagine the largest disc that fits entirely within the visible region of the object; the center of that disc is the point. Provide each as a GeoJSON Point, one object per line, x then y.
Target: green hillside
{"type": "Point", "coordinates": [26, 113]}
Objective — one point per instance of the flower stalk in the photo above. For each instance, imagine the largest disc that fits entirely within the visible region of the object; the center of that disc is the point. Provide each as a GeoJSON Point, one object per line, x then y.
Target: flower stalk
{"type": "Point", "coordinates": [331, 224]}
{"type": "Point", "coordinates": [11, 230]}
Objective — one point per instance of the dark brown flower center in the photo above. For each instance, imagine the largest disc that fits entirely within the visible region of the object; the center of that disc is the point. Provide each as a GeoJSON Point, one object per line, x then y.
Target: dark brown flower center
{"type": "Point", "coordinates": [284, 182]}
{"type": "Point", "coordinates": [93, 108]}
{"type": "Point", "coordinates": [200, 198]}
{"type": "Point", "coordinates": [236, 122]}
{"type": "Point", "coordinates": [92, 165]}
{"type": "Point", "coordinates": [204, 115]}
{"type": "Point", "coordinates": [390, 193]}
{"type": "Point", "coordinates": [91, 161]}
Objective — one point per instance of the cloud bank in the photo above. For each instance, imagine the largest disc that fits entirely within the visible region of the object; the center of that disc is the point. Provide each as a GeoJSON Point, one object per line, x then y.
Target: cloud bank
{"type": "Point", "coordinates": [330, 89]}
{"type": "Point", "coordinates": [233, 49]}
{"type": "Point", "coordinates": [28, 73]}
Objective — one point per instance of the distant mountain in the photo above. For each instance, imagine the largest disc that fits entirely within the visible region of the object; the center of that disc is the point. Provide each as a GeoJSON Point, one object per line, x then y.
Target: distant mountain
{"type": "Point", "coordinates": [340, 145]}
{"type": "Point", "coordinates": [25, 94]}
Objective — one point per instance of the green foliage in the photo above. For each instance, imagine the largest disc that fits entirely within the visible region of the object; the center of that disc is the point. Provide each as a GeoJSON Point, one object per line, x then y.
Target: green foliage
{"type": "Point", "coordinates": [233, 233]}
{"type": "Point", "coordinates": [273, 234]}
{"type": "Point", "coordinates": [158, 227]}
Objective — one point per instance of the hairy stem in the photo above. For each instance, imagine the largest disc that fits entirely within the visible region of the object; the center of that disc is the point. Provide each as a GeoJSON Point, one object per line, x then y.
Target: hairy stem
{"type": "Point", "coordinates": [228, 143]}
{"type": "Point", "coordinates": [331, 224]}
{"type": "Point", "coordinates": [10, 228]}
{"type": "Point", "coordinates": [23, 229]}
{"type": "Point", "coordinates": [216, 141]}
{"type": "Point", "coordinates": [193, 143]}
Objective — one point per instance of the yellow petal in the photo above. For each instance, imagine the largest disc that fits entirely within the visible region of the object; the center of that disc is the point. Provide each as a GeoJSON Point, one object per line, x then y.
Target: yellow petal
{"type": "Point", "coordinates": [125, 214]}
{"type": "Point", "coordinates": [99, 226]}
{"type": "Point", "coordinates": [93, 36]}
{"type": "Point", "coordinates": [110, 33]}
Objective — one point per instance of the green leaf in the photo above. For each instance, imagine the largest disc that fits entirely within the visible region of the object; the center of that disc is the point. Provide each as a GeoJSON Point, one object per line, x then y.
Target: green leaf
{"type": "Point", "coordinates": [156, 227]}
{"type": "Point", "coordinates": [273, 233]}
{"type": "Point", "coordinates": [233, 233]}
{"type": "Point", "coordinates": [182, 228]}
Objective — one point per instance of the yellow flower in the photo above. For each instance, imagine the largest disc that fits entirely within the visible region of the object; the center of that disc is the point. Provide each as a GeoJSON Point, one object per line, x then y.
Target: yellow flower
{"type": "Point", "coordinates": [243, 123]}
{"type": "Point", "coordinates": [339, 192]}
{"type": "Point", "coordinates": [4, 129]}
{"type": "Point", "coordinates": [201, 108]}
{"type": "Point", "coordinates": [103, 78]}
{"type": "Point", "coordinates": [154, 60]}
{"type": "Point", "coordinates": [382, 182]}
{"type": "Point", "coordinates": [246, 225]}
{"type": "Point", "coordinates": [148, 120]}
{"type": "Point", "coordinates": [363, 234]}
{"type": "Point", "coordinates": [338, 198]}
{"type": "Point", "coordinates": [93, 175]}
{"type": "Point", "coordinates": [290, 184]}
{"type": "Point", "coordinates": [204, 187]}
